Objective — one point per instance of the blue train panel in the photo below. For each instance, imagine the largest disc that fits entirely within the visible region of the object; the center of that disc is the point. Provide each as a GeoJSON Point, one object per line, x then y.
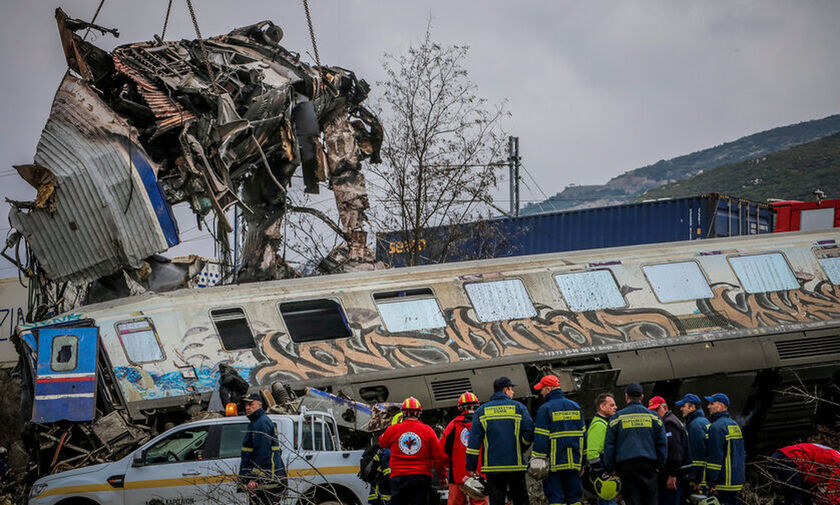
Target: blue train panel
{"type": "Point", "coordinates": [65, 383]}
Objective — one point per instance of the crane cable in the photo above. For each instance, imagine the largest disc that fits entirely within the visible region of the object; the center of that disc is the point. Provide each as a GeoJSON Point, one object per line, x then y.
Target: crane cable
{"type": "Point", "coordinates": [165, 22]}
{"type": "Point", "coordinates": [312, 37]}
{"type": "Point", "coordinates": [204, 54]}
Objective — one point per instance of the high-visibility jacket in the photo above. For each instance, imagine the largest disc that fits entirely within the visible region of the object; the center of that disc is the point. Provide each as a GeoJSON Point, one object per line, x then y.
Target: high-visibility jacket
{"type": "Point", "coordinates": [414, 449]}
{"type": "Point", "coordinates": [697, 427]}
{"type": "Point", "coordinates": [260, 458]}
{"type": "Point", "coordinates": [635, 432]}
{"type": "Point", "coordinates": [454, 441]}
{"type": "Point", "coordinates": [501, 430]}
{"type": "Point", "coordinates": [596, 435]}
{"type": "Point", "coordinates": [558, 435]}
{"type": "Point", "coordinates": [725, 454]}
{"type": "Point", "coordinates": [819, 467]}
{"type": "Point", "coordinates": [380, 491]}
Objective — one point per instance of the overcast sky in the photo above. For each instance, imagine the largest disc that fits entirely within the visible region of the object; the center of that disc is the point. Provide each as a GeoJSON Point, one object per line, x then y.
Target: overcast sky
{"type": "Point", "coordinates": [594, 88]}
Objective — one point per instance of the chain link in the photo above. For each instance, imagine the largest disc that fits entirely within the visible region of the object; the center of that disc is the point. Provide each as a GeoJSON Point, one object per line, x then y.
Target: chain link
{"type": "Point", "coordinates": [201, 45]}
{"type": "Point", "coordinates": [165, 22]}
{"type": "Point", "coordinates": [312, 36]}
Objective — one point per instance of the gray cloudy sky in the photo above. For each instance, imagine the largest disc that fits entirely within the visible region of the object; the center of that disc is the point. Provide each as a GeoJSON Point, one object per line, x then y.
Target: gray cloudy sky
{"type": "Point", "coordinates": [594, 88]}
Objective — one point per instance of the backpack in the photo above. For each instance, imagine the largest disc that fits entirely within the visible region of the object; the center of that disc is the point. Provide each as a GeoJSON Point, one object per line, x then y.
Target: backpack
{"type": "Point", "coordinates": [369, 465]}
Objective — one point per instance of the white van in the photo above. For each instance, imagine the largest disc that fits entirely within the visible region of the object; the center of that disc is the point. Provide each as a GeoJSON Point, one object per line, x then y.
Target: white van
{"type": "Point", "coordinates": [197, 464]}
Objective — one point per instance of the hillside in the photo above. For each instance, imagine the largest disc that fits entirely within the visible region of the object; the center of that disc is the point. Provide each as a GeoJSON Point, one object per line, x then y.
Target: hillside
{"type": "Point", "coordinates": [792, 174]}
{"type": "Point", "coordinates": [634, 183]}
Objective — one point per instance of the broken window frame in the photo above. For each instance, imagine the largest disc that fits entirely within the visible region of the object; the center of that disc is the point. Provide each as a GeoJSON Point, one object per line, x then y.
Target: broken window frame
{"type": "Point", "coordinates": [213, 320]}
{"type": "Point", "coordinates": [680, 262]}
{"type": "Point", "coordinates": [504, 279]}
{"type": "Point", "coordinates": [341, 311]}
{"type": "Point", "coordinates": [556, 275]}
{"type": "Point", "coordinates": [785, 261]}
{"type": "Point", "coordinates": [63, 340]}
{"type": "Point", "coordinates": [151, 324]}
{"type": "Point", "coordinates": [420, 293]}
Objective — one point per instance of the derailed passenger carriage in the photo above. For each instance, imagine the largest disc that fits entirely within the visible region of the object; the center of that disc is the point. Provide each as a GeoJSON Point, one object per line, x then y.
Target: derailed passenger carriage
{"type": "Point", "coordinates": [757, 317]}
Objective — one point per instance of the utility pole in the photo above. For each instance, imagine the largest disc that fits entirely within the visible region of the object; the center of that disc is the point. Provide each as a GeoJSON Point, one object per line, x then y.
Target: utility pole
{"type": "Point", "coordinates": [513, 164]}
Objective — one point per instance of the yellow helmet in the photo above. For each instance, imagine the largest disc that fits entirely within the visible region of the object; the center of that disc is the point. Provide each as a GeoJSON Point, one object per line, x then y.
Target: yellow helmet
{"type": "Point", "coordinates": [607, 489]}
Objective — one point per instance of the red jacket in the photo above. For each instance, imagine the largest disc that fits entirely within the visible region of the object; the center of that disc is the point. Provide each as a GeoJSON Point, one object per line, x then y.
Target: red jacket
{"type": "Point", "coordinates": [819, 467]}
{"type": "Point", "coordinates": [414, 449]}
{"type": "Point", "coordinates": [453, 441]}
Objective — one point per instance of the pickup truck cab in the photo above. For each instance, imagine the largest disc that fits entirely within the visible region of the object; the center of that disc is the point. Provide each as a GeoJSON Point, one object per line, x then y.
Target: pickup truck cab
{"type": "Point", "coordinates": [197, 463]}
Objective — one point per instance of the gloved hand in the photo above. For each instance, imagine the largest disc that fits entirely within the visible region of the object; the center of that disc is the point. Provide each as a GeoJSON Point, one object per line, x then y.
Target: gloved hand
{"type": "Point", "coordinates": [538, 468]}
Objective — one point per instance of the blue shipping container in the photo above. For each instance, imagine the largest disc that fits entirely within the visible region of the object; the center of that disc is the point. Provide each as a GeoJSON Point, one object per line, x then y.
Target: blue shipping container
{"type": "Point", "coordinates": [689, 218]}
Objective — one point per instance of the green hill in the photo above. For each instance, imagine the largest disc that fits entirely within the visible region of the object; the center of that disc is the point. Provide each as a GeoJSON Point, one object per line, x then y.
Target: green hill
{"type": "Point", "coordinates": [632, 184]}
{"type": "Point", "coordinates": [792, 174]}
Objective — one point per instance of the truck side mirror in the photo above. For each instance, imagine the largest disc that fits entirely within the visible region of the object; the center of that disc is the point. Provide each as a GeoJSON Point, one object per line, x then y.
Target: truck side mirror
{"type": "Point", "coordinates": [138, 459]}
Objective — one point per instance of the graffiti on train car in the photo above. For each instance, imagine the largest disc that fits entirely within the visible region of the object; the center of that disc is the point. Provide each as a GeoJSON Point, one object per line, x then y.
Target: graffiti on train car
{"type": "Point", "coordinates": [732, 307]}
{"type": "Point", "coordinates": [465, 338]}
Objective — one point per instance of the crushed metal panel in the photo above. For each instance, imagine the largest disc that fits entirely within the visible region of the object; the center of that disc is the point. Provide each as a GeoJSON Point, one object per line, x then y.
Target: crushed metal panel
{"type": "Point", "coordinates": [110, 212]}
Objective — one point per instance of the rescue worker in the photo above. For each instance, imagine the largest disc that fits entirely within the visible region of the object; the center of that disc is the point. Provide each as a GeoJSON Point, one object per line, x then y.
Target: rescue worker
{"type": "Point", "coordinates": [415, 452]}
{"type": "Point", "coordinates": [454, 440]}
{"type": "Point", "coordinates": [260, 467]}
{"type": "Point", "coordinates": [670, 480]}
{"type": "Point", "coordinates": [558, 436]}
{"type": "Point", "coordinates": [807, 471]}
{"type": "Point", "coordinates": [605, 408]}
{"type": "Point", "coordinates": [725, 454]}
{"type": "Point", "coordinates": [636, 448]}
{"type": "Point", "coordinates": [697, 428]}
{"type": "Point", "coordinates": [380, 493]}
{"type": "Point", "coordinates": [507, 428]}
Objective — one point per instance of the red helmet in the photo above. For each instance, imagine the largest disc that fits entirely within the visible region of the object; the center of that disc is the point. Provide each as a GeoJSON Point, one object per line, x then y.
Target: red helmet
{"type": "Point", "coordinates": [467, 400]}
{"type": "Point", "coordinates": [411, 404]}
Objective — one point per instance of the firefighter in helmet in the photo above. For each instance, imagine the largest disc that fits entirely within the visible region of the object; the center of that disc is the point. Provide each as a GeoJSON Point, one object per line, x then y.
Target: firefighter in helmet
{"type": "Point", "coordinates": [454, 441]}
{"type": "Point", "coordinates": [415, 452]}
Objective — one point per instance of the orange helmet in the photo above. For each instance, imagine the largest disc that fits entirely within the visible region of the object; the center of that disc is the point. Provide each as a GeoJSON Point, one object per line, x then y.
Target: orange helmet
{"type": "Point", "coordinates": [467, 400]}
{"type": "Point", "coordinates": [411, 404]}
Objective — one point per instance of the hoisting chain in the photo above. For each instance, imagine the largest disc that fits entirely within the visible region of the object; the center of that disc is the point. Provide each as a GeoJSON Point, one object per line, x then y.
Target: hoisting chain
{"type": "Point", "coordinates": [204, 53]}
{"type": "Point", "coordinates": [312, 36]}
{"type": "Point", "coordinates": [165, 21]}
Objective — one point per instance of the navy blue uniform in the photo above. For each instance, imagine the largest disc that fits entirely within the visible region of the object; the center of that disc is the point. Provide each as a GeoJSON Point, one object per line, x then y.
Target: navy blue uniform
{"type": "Point", "coordinates": [558, 437]}
{"type": "Point", "coordinates": [725, 457]}
{"type": "Point", "coordinates": [260, 460]}
{"type": "Point", "coordinates": [636, 448]}
{"type": "Point", "coordinates": [504, 428]}
{"type": "Point", "coordinates": [697, 427]}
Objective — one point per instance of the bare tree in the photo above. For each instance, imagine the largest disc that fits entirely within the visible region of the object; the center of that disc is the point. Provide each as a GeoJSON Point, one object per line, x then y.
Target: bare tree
{"type": "Point", "coordinates": [441, 150]}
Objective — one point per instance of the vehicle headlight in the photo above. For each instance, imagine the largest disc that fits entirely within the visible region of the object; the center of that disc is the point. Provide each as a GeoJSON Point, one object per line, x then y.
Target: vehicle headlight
{"type": "Point", "coordinates": [37, 489]}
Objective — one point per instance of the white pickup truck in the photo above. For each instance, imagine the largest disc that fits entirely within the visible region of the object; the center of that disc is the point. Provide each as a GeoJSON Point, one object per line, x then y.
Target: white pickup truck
{"type": "Point", "coordinates": [197, 463]}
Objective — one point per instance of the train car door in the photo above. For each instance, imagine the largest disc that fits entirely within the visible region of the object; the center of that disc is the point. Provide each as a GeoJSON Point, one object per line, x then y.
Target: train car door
{"type": "Point", "coordinates": [65, 383]}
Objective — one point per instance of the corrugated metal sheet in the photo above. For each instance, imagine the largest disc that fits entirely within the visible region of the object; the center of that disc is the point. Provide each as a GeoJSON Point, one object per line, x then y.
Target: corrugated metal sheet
{"type": "Point", "coordinates": [110, 211]}
{"type": "Point", "coordinates": [690, 218]}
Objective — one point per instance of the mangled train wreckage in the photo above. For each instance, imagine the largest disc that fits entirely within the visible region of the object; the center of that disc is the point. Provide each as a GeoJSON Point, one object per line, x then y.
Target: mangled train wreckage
{"type": "Point", "coordinates": [213, 122]}
{"type": "Point", "coordinates": [757, 317]}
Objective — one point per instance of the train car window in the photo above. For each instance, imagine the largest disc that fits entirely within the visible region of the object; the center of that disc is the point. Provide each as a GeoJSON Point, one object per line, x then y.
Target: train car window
{"type": "Point", "coordinates": [593, 290]}
{"type": "Point", "coordinates": [233, 328]}
{"type": "Point", "coordinates": [500, 300]}
{"type": "Point", "coordinates": [140, 341]}
{"type": "Point", "coordinates": [409, 310]}
{"type": "Point", "coordinates": [65, 350]}
{"type": "Point", "coordinates": [761, 273]}
{"type": "Point", "coordinates": [677, 282]}
{"type": "Point", "coordinates": [315, 320]}
{"type": "Point", "coordinates": [832, 269]}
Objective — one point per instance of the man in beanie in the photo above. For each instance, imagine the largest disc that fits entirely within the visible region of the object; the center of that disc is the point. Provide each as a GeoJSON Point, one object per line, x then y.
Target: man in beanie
{"type": "Point", "coordinates": [670, 480]}
{"type": "Point", "coordinates": [636, 448]}
{"type": "Point", "coordinates": [558, 437]}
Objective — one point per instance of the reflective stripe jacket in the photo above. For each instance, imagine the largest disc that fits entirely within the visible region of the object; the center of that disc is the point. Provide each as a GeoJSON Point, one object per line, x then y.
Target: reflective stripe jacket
{"type": "Point", "coordinates": [261, 449]}
{"type": "Point", "coordinates": [698, 430]}
{"type": "Point", "coordinates": [558, 434]}
{"type": "Point", "coordinates": [635, 432]}
{"type": "Point", "coordinates": [596, 435]}
{"type": "Point", "coordinates": [454, 443]}
{"type": "Point", "coordinates": [725, 454]}
{"type": "Point", "coordinates": [414, 449]}
{"type": "Point", "coordinates": [500, 430]}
